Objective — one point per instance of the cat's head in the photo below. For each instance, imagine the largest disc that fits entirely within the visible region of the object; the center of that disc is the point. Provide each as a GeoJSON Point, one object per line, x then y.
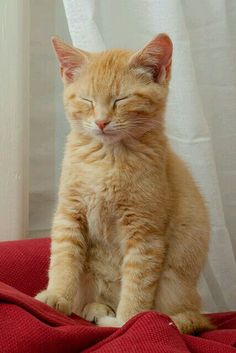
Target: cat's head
{"type": "Point", "coordinates": [115, 94]}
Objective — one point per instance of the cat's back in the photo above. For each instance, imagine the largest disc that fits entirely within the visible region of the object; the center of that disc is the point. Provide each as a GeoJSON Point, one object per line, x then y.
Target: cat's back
{"type": "Point", "coordinates": [186, 194]}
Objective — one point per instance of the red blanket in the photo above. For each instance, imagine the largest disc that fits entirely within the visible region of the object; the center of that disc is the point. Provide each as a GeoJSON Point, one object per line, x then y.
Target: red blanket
{"type": "Point", "coordinates": [28, 326]}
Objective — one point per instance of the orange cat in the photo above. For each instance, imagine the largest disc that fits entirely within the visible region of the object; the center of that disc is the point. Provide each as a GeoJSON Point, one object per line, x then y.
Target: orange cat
{"type": "Point", "coordinates": [131, 229]}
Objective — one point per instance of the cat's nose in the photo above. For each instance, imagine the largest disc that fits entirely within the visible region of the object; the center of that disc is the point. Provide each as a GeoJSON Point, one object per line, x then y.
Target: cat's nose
{"type": "Point", "coordinates": [102, 123]}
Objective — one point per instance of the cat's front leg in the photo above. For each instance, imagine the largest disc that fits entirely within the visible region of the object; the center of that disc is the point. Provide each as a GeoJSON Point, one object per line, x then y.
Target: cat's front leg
{"type": "Point", "coordinates": [144, 253]}
{"type": "Point", "coordinates": [68, 249]}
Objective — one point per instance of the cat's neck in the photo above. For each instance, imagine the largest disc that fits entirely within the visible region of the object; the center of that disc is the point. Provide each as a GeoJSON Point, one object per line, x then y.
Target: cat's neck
{"type": "Point", "coordinates": [151, 145]}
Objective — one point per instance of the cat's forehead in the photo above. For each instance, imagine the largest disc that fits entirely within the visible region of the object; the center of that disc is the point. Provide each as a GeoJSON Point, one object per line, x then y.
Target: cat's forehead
{"type": "Point", "coordinates": [107, 72]}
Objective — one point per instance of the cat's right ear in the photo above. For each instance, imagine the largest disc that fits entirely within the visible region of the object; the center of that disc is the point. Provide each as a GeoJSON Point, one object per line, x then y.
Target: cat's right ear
{"type": "Point", "coordinates": [155, 58]}
{"type": "Point", "coordinates": [70, 58]}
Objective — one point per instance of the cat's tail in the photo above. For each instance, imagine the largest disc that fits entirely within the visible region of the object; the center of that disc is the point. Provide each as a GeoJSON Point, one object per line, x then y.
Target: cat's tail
{"type": "Point", "coordinates": [192, 322]}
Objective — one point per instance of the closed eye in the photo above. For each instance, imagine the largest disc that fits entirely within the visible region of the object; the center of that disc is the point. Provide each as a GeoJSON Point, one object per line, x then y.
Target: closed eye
{"type": "Point", "coordinates": [87, 100]}
{"type": "Point", "coordinates": [119, 99]}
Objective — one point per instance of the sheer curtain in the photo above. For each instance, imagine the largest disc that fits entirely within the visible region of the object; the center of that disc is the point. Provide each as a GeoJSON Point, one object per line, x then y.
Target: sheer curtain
{"type": "Point", "coordinates": [201, 121]}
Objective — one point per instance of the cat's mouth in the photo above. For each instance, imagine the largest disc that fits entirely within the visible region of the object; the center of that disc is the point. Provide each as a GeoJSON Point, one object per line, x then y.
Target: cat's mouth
{"type": "Point", "coordinates": [106, 132]}
{"type": "Point", "coordinates": [108, 136]}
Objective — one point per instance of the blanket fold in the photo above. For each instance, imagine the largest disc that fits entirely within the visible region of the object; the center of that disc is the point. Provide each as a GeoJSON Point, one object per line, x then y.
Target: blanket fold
{"type": "Point", "coordinates": [28, 326]}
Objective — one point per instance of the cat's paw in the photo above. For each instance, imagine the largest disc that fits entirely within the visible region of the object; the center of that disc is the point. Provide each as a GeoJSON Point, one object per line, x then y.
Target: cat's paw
{"type": "Point", "coordinates": [107, 321]}
{"type": "Point", "coordinates": [56, 301]}
{"type": "Point", "coordinates": [94, 311]}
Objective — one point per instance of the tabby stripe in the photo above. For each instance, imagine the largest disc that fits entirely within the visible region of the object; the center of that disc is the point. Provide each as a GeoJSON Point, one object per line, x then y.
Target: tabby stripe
{"type": "Point", "coordinates": [69, 240]}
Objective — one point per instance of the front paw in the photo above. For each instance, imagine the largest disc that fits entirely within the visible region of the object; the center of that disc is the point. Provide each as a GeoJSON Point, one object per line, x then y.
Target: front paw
{"type": "Point", "coordinates": [55, 301]}
{"type": "Point", "coordinates": [109, 321]}
{"type": "Point", "coordinates": [93, 311]}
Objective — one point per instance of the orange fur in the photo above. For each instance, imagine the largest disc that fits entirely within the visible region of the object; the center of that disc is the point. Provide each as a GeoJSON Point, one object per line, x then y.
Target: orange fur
{"type": "Point", "coordinates": [131, 229]}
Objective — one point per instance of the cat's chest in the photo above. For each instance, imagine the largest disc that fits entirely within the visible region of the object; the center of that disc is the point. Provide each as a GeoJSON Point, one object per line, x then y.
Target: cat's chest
{"type": "Point", "coordinates": [102, 190]}
{"type": "Point", "coordinates": [101, 216]}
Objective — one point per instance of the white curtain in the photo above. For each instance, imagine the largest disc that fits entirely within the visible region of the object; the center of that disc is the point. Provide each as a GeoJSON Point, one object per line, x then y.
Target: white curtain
{"type": "Point", "coordinates": [201, 121]}
{"type": "Point", "coordinates": [14, 118]}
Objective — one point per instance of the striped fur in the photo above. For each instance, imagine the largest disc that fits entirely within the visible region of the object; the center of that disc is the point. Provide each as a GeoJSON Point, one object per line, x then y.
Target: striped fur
{"type": "Point", "coordinates": [131, 229]}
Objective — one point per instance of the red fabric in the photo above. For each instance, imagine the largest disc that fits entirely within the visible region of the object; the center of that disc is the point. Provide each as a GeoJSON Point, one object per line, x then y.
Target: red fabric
{"type": "Point", "coordinates": [24, 263]}
{"type": "Point", "coordinates": [28, 326]}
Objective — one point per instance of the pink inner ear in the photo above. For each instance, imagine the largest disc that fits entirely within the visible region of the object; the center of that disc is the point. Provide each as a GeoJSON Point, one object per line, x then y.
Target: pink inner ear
{"type": "Point", "coordinates": [156, 57]}
{"type": "Point", "coordinates": [69, 57]}
{"type": "Point", "coordinates": [66, 73]}
{"type": "Point", "coordinates": [163, 42]}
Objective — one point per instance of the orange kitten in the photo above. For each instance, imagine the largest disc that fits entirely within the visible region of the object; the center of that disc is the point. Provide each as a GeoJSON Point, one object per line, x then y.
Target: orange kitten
{"type": "Point", "coordinates": [131, 230]}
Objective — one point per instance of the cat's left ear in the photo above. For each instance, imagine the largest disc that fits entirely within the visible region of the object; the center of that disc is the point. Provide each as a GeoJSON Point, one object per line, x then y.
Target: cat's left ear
{"type": "Point", "coordinates": [71, 59]}
{"type": "Point", "coordinates": [155, 58]}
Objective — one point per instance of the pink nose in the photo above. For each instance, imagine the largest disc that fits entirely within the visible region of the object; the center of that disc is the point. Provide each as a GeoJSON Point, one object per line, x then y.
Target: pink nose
{"type": "Point", "coordinates": [102, 123]}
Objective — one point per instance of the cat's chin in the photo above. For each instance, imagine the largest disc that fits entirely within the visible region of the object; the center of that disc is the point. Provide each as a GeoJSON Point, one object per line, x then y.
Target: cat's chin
{"type": "Point", "coordinates": [108, 138]}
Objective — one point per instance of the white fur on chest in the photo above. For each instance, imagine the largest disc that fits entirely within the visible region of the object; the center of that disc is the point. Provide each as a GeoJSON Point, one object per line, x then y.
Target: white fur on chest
{"type": "Point", "coordinates": [101, 219]}
{"type": "Point", "coordinates": [106, 177]}
{"type": "Point", "coordinates": [101, 207]}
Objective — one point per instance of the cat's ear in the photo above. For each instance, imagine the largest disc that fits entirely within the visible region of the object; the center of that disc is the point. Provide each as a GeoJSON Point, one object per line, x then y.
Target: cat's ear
{"type": "Point", "coordinates": [155, 58]}
{"type": "Point", "coordinates": [70, 58]}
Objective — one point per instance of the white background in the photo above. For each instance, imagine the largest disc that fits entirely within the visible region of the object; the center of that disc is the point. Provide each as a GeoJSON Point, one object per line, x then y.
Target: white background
{"type": "Point", "coordinates": [47, 120]}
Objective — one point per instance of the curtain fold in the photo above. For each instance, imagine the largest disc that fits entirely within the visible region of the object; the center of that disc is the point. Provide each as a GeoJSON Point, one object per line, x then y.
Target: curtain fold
{"type": "Point", "coordinates": [200, 117]}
